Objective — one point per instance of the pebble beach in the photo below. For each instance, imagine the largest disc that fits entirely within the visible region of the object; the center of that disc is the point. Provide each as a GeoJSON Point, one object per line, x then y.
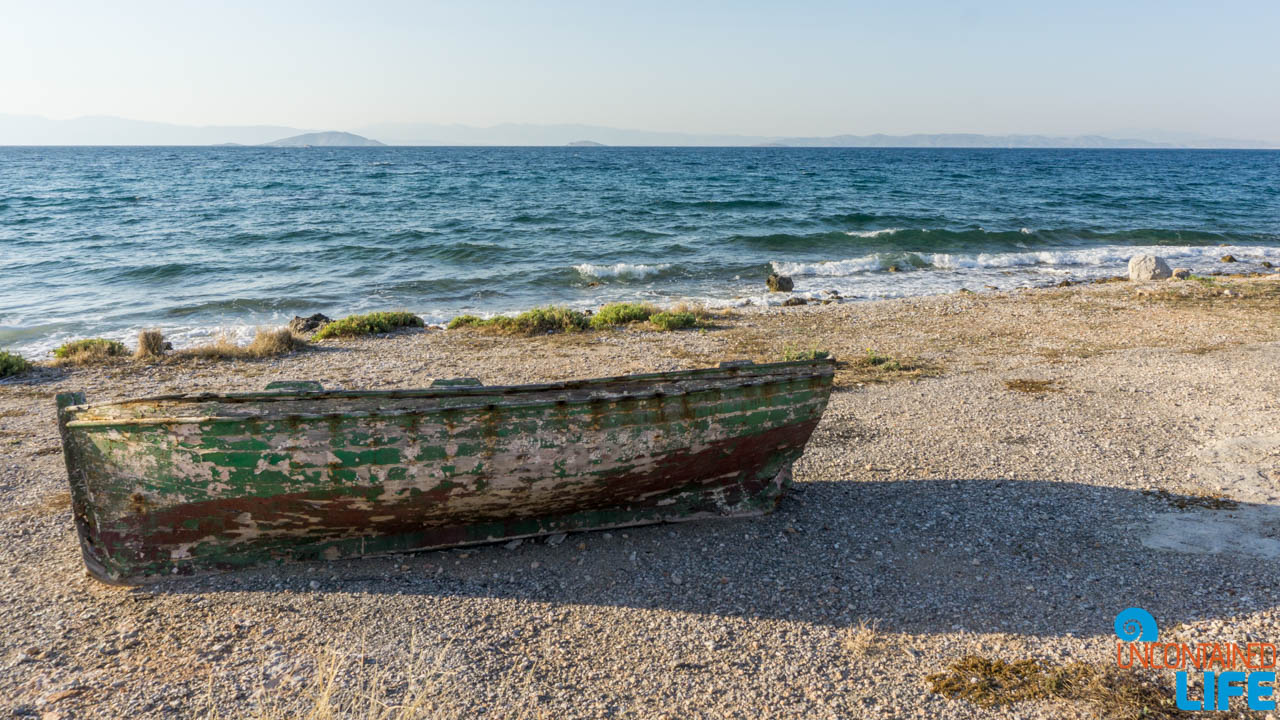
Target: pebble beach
{"type": "Point", "coordinates": [1030, 463]}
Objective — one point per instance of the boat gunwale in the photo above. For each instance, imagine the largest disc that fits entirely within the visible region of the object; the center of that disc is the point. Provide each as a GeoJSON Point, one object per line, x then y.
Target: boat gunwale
{"type": "Point", "coordinates": [463, 391]}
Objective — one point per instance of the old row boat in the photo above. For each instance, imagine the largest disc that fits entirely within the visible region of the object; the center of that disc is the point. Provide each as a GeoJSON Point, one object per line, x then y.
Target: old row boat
{"type": "Point", "coordinates": [181, 484]}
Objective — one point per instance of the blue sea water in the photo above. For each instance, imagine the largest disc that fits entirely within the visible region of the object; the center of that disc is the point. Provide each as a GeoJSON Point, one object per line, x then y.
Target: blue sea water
{"type": "Point", "coordinates": [105, 241]}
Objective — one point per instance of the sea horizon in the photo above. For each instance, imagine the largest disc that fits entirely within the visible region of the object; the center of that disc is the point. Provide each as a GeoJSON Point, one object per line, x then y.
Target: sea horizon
{"type": "Point", "coordinates": [108, 240]}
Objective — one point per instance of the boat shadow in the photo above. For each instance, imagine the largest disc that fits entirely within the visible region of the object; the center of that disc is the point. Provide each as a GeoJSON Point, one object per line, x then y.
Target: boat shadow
{"type": "Point", "coordinates": [983, 555]}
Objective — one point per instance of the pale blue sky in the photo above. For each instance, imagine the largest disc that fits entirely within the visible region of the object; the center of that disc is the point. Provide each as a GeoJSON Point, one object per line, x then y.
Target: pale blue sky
{"type": "Point", "coordinates": [797, 68]}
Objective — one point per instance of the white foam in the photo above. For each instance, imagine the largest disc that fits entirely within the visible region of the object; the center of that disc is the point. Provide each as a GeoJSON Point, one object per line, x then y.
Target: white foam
{"type": "Point", "coordinates": [619, 270]}
{"type": "Point", "coordinates": [873, 233]}
{"type": "Point", "coordinates": [1097, 257]}
{"type": "Point", "coordinates": [830, 268]}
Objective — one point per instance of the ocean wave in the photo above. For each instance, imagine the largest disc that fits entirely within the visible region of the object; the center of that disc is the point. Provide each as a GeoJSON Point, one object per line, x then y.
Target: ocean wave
{"type": "Point", "coordinates": [413, 234]}
{"type": "Point", "coordinates": [723, 204]}
{"type": "Point", "coordinates": [1109, 255]}
{"type": "Point", "coordinates": [830, 268]}
{"type": "Point", "coordinates": [619, 270]}
{"type": "Point", "coordinates": [872, 233]}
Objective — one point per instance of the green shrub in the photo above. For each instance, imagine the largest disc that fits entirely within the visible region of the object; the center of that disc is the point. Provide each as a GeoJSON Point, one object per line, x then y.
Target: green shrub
{"type": "Point", "coordinates": [465, 321]}
{"type": "Point", "coordinates": [11, 364]}
{"type": "Point", "coordinates": [372, 323]}
{"type": "Point", "coordinates": [622, 314]}
{"type": "Point", "coordinates": [544, 320]}
{"type": "Point", "coordinates": [875, 359]}
{"type": "Point", "coordinates": [538, 321]}
{"type": "Point", "coordinates": [790, 354]}
{"type": "Point", "coordinates": [89, 350]}
{"type": "Point", "coordinates": [674, 320]}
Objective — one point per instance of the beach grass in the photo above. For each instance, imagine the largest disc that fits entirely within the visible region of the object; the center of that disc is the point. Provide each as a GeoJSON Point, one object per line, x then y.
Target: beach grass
{"type": "Point", "coordinates": [89, 350]}
{"type": "Point", "coordinates": [11, 364]}
{"type": "Point", "coordinates": [554, 319]}
{"type": "Point", "coordinates": [151, 345]}
{"type": "Point", "coordinates": [368, 324]}
{"type": "Point", "coordinates": [1030, 386]}
{"type": "Point", "coordinates": [793, 354]}
{"type": "Point", "coordinates": [266, 343]}
{"type": "Point", "coordinates": [538, 321]}
{"type": "Point", "coordinates": [873, 359]}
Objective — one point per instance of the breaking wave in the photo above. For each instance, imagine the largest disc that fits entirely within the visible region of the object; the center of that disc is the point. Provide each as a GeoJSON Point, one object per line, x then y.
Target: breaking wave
{"type": "Point", "coordinates": [619, 270]}
{"type": "Point", "coordinates": [1107, 256]}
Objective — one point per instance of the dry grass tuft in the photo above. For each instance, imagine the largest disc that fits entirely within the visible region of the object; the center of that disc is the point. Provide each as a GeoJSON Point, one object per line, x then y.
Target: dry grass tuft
{"type": "Point", "coordinates": [266, 343]}
{"type": "Point", "coordinates": [56, 502]}
{"type": "Point", "coordinates": [269, 343]}
{"type": "Point", "coordinates": [876, 367]}
{"type": "Point", "coordinates": [1194, 500]}
{"type": "Point", "coordinates": [987, 682]}
{"type": "Point", "coordinates": [151, 345]}
{"type": "Point", "coordinates": [703, 313]}
{"type": "Point", "coordinates": [1031, 386]}
{"type": "Point", "coordinates": [1113, 692]}
{"type": "Point", "coordinates": [861, 641]}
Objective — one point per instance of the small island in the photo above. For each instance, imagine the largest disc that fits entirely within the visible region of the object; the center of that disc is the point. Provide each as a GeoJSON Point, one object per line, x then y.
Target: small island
{"type": "Point", "coordinates": [586, 143]}
{"type": "Point", "coordinates": [324, 139]}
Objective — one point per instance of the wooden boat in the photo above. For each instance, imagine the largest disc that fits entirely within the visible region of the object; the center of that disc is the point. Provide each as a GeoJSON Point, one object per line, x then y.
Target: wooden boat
{"type": "Point", "coordinates": [181, 484]}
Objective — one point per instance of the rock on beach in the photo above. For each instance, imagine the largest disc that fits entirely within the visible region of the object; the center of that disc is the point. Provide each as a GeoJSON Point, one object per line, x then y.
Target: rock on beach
{"type": "Point", "coordinates": [1148, 267]}
{"type": "Point", "coordinates": [307, 325]}
{"type": "Point", "coordinates": [779, 283]}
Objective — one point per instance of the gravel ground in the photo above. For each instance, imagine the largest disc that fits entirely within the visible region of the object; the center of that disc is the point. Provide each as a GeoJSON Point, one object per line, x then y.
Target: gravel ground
{"type": "Point", "coordinates": [937, 513]}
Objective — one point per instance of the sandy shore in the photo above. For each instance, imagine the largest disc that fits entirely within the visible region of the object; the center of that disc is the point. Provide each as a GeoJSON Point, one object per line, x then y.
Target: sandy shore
{"type": "Point", "coordinates": [1045, 459]}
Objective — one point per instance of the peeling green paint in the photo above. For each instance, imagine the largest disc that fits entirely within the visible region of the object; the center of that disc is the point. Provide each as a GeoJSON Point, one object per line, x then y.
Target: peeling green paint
{"type": "Point", "coordinates": [184, 484]}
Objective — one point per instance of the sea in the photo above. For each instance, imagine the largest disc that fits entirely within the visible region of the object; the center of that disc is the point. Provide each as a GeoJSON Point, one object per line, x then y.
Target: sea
{"type": "Point", "coordinates": [202, 241]}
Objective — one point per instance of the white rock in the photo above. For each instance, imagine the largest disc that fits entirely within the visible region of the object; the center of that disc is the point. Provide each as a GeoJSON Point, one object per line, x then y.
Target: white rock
{"type": "Point", "coordinates": [1148, 267]}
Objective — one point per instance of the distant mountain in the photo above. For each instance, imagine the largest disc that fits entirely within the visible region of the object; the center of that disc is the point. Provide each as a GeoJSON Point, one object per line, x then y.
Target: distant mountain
{"type": "Point", "coordinates": [100, 130]}
{"type": "Point", "coordinates": [324, 139]}
{"type": "Point", "coordinates": [967, 140]}
{"type": "Point", "coordinates": [32, 130]}
{"type": "Point", "coordinates": [524, 134]}
{"type": "Point", "coordinates": [586, 143]}
{"type": "Point", "coordinates": [1193, 140]}
{"type": "Point", "coordinates": [521, 134]}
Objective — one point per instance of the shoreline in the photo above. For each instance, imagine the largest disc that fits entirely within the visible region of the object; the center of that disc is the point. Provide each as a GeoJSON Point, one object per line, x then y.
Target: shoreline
{"type": "Point", "coordinates": [1037, 461]}
{"type": "Point", "coordinates": [241, 334]}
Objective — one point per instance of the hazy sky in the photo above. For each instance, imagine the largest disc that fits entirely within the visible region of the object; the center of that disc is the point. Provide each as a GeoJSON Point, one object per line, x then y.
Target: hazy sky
{"type": "Point", "coordinates": [775, 68]}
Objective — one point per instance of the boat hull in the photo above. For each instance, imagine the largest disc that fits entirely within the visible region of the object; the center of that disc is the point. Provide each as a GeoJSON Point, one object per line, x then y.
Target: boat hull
{"type": "Point", "coordinates": [188, 484]}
